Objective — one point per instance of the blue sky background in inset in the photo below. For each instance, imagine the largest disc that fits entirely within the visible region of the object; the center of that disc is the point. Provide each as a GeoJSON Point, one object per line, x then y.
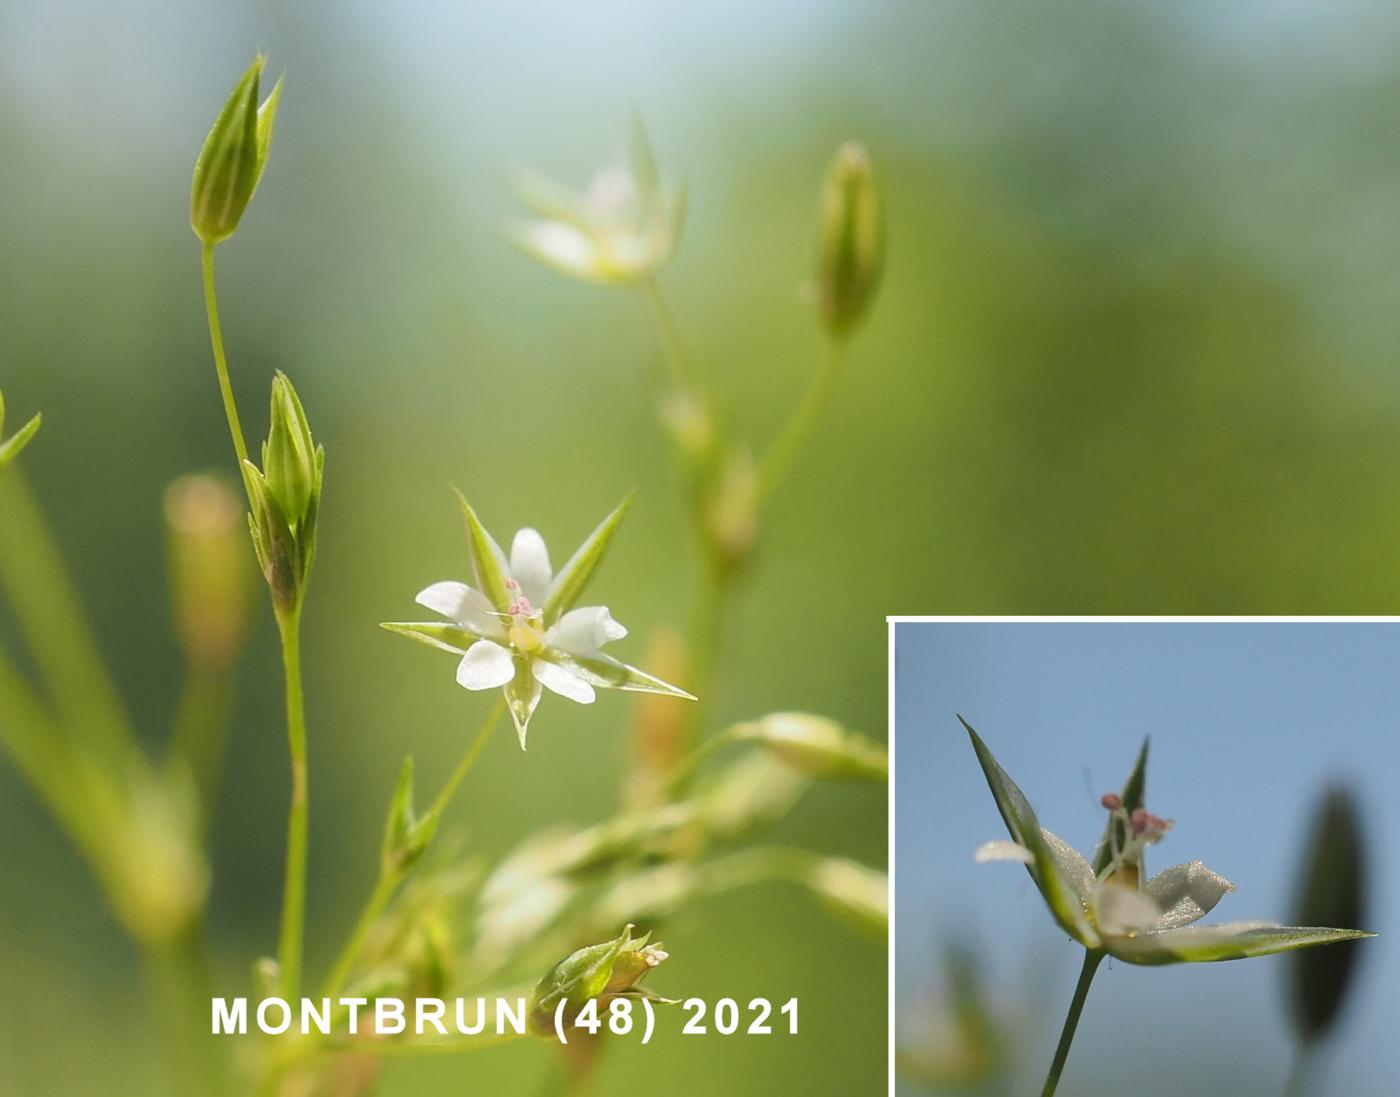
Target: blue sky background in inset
{"type": "Point", "coordinates": [1248, 721]}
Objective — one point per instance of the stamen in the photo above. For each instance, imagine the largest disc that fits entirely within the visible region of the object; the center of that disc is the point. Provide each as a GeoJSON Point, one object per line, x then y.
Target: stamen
{"type": "Point", "coordinates": [1111, 801]}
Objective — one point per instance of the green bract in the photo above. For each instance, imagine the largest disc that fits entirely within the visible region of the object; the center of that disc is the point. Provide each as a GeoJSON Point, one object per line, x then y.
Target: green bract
{"type": "Point", "coordinates": [231, 163]}
{"type": "Point", "coordinates": [518, 630]}
{"type": "Point", "coordinates": [1109, 911]}
{"type": "Point", "coordinates": [10, 447]}
{"type": "Point", "coordinates": [851, 256]}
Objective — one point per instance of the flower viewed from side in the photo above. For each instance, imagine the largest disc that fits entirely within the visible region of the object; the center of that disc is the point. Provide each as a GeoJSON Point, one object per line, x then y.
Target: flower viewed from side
{"type": "Point", "coordinates": [518, 629]}
{"type": "Point", "coordinates": [1106, 907]}
{"type": "Point", "coordinates": [621, 230]}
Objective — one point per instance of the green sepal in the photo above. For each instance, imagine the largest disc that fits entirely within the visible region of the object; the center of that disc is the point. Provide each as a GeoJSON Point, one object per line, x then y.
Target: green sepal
{"type": "Point", "coordinates": [451, 638]}
{"type": "Point", "coordinates": [231, 162]}
{"type": "Point", "coordinates": [277, 549]}
{"type": "Point", "coordinates": [1228, 941]}
{"type": "Point", "coordinates": [580, 976]}
{"type": "Point", "coordinates": [1134, 796]}
{"type": "Point", "coordinates": [406, 837]}
{"type": "Point", "coordinates": [290, 462]}
{"type": "Point", "coordinates": [488, 561]}
{"type": "Point", "coordinates": [569, 583]}
{"type": "Point", "coordinates": [605, 672]}
{"type": "Point", "coordinates": [522, 697]}
{"type": "Point", "coordinates": [267, 121]}
{"type": "Point", "coordinates": [1019, 817]}
{"type": "Point", "coordinates": [10, 447]}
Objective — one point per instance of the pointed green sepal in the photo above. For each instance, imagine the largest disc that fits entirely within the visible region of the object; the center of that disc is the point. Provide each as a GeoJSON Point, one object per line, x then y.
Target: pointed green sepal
{"type": "Point", "coordinates": [488, 561]}
{"type": "Point", "coordinates": [568, 585]}
{"type": "Point", "coordinates": [434, 633]}
{"type": "Point", "coordinates": [231, 162]}
{"type": "Point", "coordinates": [290, 457]}
{"type": "Point", "coordinates": [1021, 822]}
{"type": "Point", "coordinates": [522, 697]}
{"type": "Point", "coordinates": [605, 672]}
{"type": "Point", "coordinates": [1134, 796]}
{"type": "Point", "coordinates": [1227, 941]}
{"type": "Point", "coordinates": [10, 447]}
{"type": "Point", "coordinates": [406, 837]}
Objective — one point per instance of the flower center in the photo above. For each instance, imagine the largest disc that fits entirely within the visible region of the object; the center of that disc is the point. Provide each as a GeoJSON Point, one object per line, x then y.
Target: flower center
{"type": "Point", "coordinates": [526, 631]}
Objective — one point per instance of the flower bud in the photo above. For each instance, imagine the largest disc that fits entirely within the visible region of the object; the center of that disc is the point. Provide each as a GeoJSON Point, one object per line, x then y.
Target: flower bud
{"type": "Point", "coordinates": [406, 837]}
{"type": "Point", "coordinates": [276, 547]}
{"type": "Point", "coordinates": [290, 460]}
{"type": "Point", "coordinates": [232, 160]}
{"type": "Point", "coordinates": [603, 971]}
{"type": "Point", "coordinates": [858, 894]}
{"type": "Point", "coordinates": [852, 240]}
{"type": "Point", "coordinates": [752, 793]}
{"type": "Point", "coordinates": [209, 573]}
{"type": "Point", "coordinates": [1332, 892]}
{"type": "Point", "coordinates": [817, 746]}
{"type": "Point", "coordinates": [10, 447]}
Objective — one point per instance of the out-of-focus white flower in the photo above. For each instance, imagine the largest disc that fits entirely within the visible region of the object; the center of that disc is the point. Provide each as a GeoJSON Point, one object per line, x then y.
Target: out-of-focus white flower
{"type": "Point", "coordinates": [620, 230]}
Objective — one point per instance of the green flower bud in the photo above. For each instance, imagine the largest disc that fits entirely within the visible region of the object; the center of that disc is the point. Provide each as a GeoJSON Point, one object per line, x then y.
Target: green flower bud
{"type": "Point", "coordinates": [604, 971]}
{"type": "Point", "coordinates": [290, 458]}
{"type": "Point", "coordinates": [231, 163]}
{"type": "Point", "coordinates": [1332, 892]}
{"type": "Point", "coordinates": [209, 575]}
{"type": "Point", "coordinates": [10, 447]}
{"type": "Point", "coordinates": [406, 837]}
{"type": "Point", "coordinates": [276, 547]}
{"type": "Point", "coordinates": [817, 746]}
{"type": "Point", "coordinates": [855, 893]}
{"type": "Point", "coordinates": [852, 240]}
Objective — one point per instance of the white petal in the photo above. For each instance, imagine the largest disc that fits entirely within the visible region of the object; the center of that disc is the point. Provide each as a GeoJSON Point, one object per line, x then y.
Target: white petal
{"type": "Point", "coordinates": [486, 665]}
{"type": "Point", "coordinates": [1003, 850]}
{"type": "Point", "coordinates": [1121, 911]}
{"type": "Point", "coordinates": [1186, 893]}
{"type": "Point", "coordinates": [529, 565]}
{"type": "Point", "coordinates": [562, 246]}
{"type": "Point", "coordinates": [563, 681]}
{"type": "Point", "coordinates": [584, 630]}
{"type": "Point", "coordinates": [469, 608]}
{"type": "Point", "coordinates": [1072, 864]}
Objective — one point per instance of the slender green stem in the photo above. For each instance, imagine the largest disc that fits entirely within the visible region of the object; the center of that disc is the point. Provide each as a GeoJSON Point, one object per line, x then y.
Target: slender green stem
{"type": "Point", "coordinates": [1298, 1075]}
{"type": "Point", "coordinates": [289, 948]}
{"type": "Point", "coordinates": [780, 457]}
{"type": "Point", "coordinates": [389, 877]}
{"type": "Point", "coordinates": [687, 767]}
{"type": "Point", "coordinates": [201, 732]}
{"type": "Point", "coordinates": [712, 595]}
{"type": "Point", "coordinates": [50, 615]}
{"type": "Point", "coordinates": [468, 759]}
{"type": "Point", "coordinates": [673, 348]}
{"type": "Point", "coordinates": [1092, 959]}
{"type": "Point", "coordinates": [216, 339]}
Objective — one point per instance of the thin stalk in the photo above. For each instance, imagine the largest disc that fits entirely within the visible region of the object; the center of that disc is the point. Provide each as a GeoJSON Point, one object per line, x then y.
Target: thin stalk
{"type": "Point", "coordinates": [289, 947]}
{"type": "Point", "coordinates": [712, 595]}
{"type": "Point", "coordinates": [1298, 1074]}
{"type": "Point", "coordinates": [201, 732]}
{"type": "Point", "coordinates": [673, 348]}
{"type": "Point", "coordinates": [54, 626]}
{"type": "Point", "coordinates": [216, 339]}
{"type": "Point", "coordinates": [780, 457]}
{"type": "Point", "coordinates": [1092, 959]}
{"type": "Point", "coordinates": [389, 877]}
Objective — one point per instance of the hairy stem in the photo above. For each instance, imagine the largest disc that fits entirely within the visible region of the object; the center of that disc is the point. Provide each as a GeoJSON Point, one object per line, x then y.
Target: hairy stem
{"type": "Point", "coordinates": [216, 339]}
{"type": "Point", "coordinates": [804, 418]}
{"type": "Point", "coordinates": [289, 947]}
{"type": "Point", "coordinates": [1092, 959]}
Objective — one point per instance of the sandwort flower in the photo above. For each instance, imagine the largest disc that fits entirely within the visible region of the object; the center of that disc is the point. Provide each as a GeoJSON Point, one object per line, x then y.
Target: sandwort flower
{"type": "Point", "coordinates": [1105, 907]}
{"type": "Point", "coordinates": [621, 230]}
{"type": "Point", "coordinates": [518, 629]}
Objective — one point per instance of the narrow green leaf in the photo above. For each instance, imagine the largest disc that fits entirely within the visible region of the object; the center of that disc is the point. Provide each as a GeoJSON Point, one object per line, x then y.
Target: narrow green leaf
{"type": "Point", "coordinates": [488, 561]}
{"type": "Point", "coordinates": [1227, 941]}
{"type": "Point", "coordinates": [1134, 796]}
{"type": "Point", "coordinates": [573, 577]}
{"type": "Point", "coordinates": [447, 637]}
{"type": "Point", "coordinates": [605, 672]}
{"type": "Point", "coordinates": [400, 819]}
{"type": "Point", "coordinates": [1021, 822]}
{"type": "Point", "coordinates": [1332, 891]}
{"type": "Point", "coordinates": [10, 447]}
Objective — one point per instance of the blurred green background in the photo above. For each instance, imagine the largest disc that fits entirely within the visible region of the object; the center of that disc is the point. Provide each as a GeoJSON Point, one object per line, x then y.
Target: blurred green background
{"type": "Point", "coordinates": [1132, 353]}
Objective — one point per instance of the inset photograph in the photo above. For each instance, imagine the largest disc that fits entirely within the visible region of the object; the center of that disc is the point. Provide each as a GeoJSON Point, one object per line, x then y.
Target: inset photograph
{"type": "Point", "coordinates": [1145, 856]}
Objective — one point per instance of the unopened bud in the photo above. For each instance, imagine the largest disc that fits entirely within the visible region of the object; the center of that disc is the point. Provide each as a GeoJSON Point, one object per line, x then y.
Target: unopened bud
{"type": "Point", "coordinates": [818, 746]}
{"type": "Point", "coordinates": [601, 971]}
{"type": "Point", "coordinates": [858, 894]}
{"type": "Point", "coordinates": [231, 163]}
{"type": "Point", "coordinates": [209, 574]}
{"type": "Point", "coordinates": [852, 240]}
{"type": "Point", "coordinates": [290, 460]}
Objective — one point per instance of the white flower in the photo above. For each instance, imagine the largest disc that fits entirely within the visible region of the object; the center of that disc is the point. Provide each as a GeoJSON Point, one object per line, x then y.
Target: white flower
{"type": "Point", "coordinates": [517, 629]}
{"type": "Point", "coordinates": [621, 230]}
